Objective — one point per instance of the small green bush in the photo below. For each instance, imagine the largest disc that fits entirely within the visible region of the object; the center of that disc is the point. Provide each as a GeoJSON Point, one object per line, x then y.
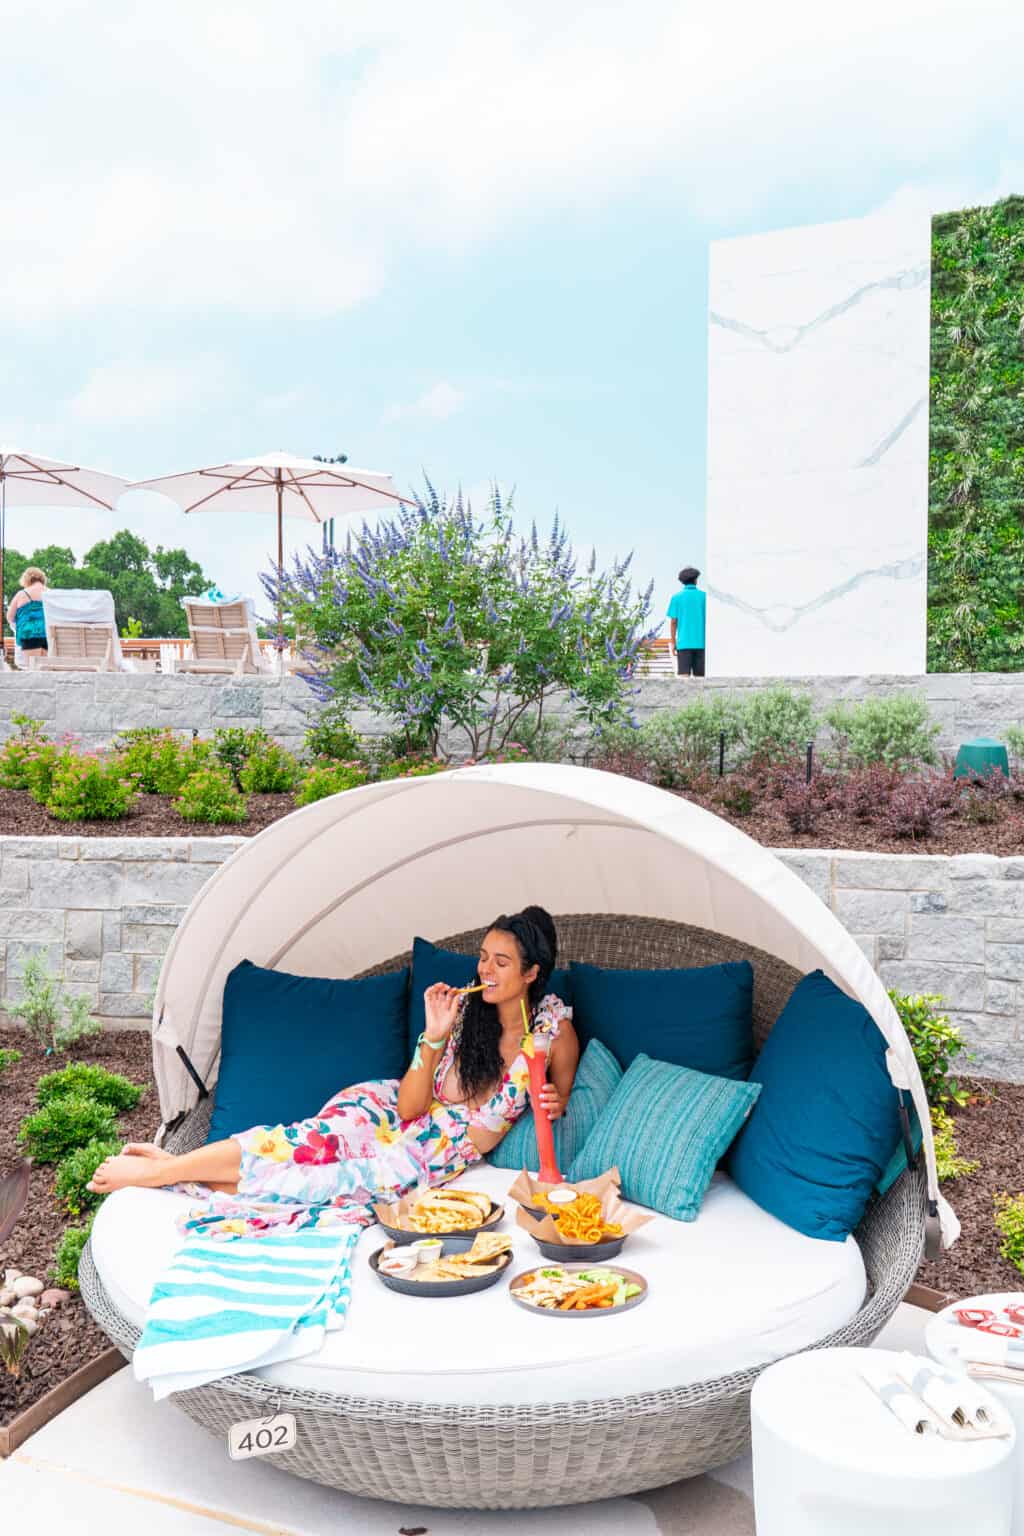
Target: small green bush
{"type": "Point", "coordinates": [18, 751]}
{"type": "Point", "coordinates": [948, 1163]}
{"type": "Point", "coordinates": [935, 1041]}
{"type": "Point", "coordinates": [54, 1019]}
{"type": "Point", "coordinates": [897, 731]}
{"type": "Point", "coordinates": [89, 788]}
{"type": "Point", "coordinates": [1009, 1221]}
{"type": "Point", "coordinates": [109, 1088]}
{"type": "Point", "coordinates": [75, 1171]}
{"type": "Point", "coordinates": [159, 761]}
{"type": "Point", "coordinates": [1015, 742]}
{"type": "Point", "coordinates": [737, 798]}
{"type": "Point", "coordinates": [64, 1125]}
{"type": "Point", "coordinates": [412, 768]}
{"type": "Point", "coordinates": [233, 746]}
{"type": "Point", "coordinates": [210, 795]}
{"type": "Point", "coordinates": [39, 768]}
{"type": "Point", "coordinates": [8, 1059]}
{"type": "Point", "coordinates": [776, 724]}
{"type": "Point", "coordinates": [330, 736]}
{"type": "Point", "coordinates": [329, 779]}
{"type": "Point", "coordinates": [682, 744]}
{"type": "Point", "coordinates": [268, 770]}
{"type": "Point", "coordinates": [68, 1255]}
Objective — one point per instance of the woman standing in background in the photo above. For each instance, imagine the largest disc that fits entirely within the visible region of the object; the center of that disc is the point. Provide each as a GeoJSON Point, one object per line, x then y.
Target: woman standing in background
{"type": "Point", "coordinates": [25, 614]}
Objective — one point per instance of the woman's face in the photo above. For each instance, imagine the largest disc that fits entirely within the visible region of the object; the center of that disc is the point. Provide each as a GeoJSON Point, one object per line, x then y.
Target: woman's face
{"type": "Point", "coordinates": [501, 963]}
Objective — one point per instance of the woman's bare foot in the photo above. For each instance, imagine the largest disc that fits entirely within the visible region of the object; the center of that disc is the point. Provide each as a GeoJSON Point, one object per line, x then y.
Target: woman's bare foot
{"type": "Point", "coordinates": [128, 1169]}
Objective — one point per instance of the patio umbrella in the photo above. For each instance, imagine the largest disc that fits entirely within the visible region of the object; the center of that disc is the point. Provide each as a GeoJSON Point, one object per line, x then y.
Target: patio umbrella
{"type": "Point", "coordinates": [282, 484]}
{"type": "Point", "coordinates": [27, 480]}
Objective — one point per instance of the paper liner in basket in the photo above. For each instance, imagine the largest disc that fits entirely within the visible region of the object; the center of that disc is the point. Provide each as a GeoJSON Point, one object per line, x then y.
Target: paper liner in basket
{"type": "Point", "coordinates": [527, 1189]}
{"type": "Point", "coordinates": [396, 1214]}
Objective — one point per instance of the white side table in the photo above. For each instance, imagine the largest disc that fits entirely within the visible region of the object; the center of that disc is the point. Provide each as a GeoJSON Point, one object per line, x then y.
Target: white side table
{"type": "Point", "coordinates": [831, 1460]}
{"type": "Point", "coordinates": [940, 1337]}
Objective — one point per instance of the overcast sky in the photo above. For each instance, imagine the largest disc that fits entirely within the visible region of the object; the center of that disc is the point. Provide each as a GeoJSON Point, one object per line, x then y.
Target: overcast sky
{"type": "Point", "coordinates": [452, 237]}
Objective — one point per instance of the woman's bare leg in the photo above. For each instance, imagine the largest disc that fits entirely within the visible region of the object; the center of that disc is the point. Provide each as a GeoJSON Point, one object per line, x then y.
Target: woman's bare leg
{"type": "Point", "coordinates": [217, 1166]}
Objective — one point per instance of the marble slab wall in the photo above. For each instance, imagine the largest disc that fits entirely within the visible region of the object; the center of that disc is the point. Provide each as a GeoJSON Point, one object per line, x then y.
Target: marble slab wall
{"type": "Point", "coordinates": [817, 509]}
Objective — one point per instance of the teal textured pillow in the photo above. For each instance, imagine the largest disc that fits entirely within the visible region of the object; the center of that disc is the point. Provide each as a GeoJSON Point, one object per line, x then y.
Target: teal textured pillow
{"type": "Point", "coordinates": [597, 1077]}
{"type": "Point", "coordinates": [664, 1128]}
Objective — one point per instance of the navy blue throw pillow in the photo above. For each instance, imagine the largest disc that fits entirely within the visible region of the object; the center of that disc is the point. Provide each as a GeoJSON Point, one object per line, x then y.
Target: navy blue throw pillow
{"type": "Point", "coordinates": [698, 1018]}
{"type": "Point", "coordinates": [288, 1043]}
{"type": "Point", "coordinates": [431, 964]}
{"type": "Point", "coordinates": [827, 1120]}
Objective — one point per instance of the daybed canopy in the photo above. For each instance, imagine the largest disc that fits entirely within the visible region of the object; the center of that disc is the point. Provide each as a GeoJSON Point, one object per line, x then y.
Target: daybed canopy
{"type": "Point", "coordinates": [347, 882]}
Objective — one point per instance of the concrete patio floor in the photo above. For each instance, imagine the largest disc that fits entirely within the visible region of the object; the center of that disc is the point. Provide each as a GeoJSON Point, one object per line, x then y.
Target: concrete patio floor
{"type": "Point", "coordinates": [120, 1464]}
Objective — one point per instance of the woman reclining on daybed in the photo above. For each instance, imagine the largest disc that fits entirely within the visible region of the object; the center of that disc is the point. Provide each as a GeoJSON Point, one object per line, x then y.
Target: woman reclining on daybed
{"type": "Point", "coordinates": [466, 1086]}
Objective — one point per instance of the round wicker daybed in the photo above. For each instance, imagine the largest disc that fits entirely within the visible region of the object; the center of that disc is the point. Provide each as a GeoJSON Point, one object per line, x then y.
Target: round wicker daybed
{"type": "Point", "coordinates": [636, 878]}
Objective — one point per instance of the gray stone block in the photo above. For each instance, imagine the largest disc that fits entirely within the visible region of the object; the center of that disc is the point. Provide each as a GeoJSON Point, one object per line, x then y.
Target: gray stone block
{"type": "Point", "coordinates": [83, 935]}
{"type": "Point", "coordinates": [1000, 997]}
{"type": "Point", "coordinates": [960, 986]}
{"type": "Point", "coordinates": [89, 886]}
{"type": "Point", "coordinates": [989, 898]}
{"type": "Point", "coordinates": [147, 974]}
{"type": "Point", "coordinates": [1005, 962]}
{"type": "Point", "coordinates": [145, 938]}
{"type": "Point", "coordinates": [35, 927]}
{"type": "Point", "coordinates": [135, 849]}
{"type": "Point", "coordinates": [170, 915]}
{"type": "Point", "coordinates": [69, 848]}
{"type": "Point", "coordinates": [111, 932]}
{"type": "Point", "coordinates": [81, 971]}
{"type": "Point", "coordinates": [238, 700]}
{"type": "Point", "coordinates": [151, 882]}
{"type": "Point", "coordinates": [928, 901]}
{"type": "Point", "coordinates": [117, 973]}
{"type": "Point", "coordinates": [870, 911]}
{"type": "Point", "coordinates": [954, 939]}
{"type": "Point", "coordinates": [868, 943]}
{"type": "Point", "coordinates": [34, 848]}
{"type": "Point", "coordinates": [890, 872]}
{"type": "Point", "coordinates": [975, 866]}
{"type": "Point", "coordinates": [812, 868]}
{"type": "Point", "coordinates": [214, 850]}
{"type": "Point", "coordinates": [123, 1005]}
{"type": "Point", "coordinates": [890, 947]}
{"type": "Point", "coordinates": [1004, 930]}
{"type": "Point", "coordinates": [1013, 869]}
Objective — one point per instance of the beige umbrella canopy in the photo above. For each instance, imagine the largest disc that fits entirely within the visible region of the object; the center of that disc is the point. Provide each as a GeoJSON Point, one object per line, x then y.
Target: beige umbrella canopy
{"type": "Point", "coordinates": [282, 484]}
{"type": "Point", "coordinates": [29, 480]}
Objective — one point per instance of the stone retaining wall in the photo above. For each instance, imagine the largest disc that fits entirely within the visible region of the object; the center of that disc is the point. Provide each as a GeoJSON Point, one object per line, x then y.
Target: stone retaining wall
{"type": "Point", "coordinates": [96, 706]}
{"type": "Point", "coordinates": [102, 910]}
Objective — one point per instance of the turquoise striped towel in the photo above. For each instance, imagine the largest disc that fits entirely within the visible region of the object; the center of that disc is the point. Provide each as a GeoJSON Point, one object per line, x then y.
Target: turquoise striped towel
{"type": "Point", "coordinates": [235, 1305]}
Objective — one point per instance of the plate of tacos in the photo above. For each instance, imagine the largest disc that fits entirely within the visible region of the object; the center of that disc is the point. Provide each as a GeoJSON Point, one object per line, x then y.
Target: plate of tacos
{"type": "Point", "coordinates": [440, 1212]}
{"type": "Point", "coordinates": [463, 1264]}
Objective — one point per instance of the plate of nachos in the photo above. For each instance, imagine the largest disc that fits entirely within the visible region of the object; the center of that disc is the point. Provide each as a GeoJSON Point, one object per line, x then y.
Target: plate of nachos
{"type": "Point", "coordinates": [464, 1265]}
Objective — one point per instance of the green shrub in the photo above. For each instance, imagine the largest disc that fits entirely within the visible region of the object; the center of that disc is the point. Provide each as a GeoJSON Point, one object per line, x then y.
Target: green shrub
{"type": "Point", "coordinates": [331, 736]}
{"type": "Point", "coordinates": [69, 1252]}
{"type": "Point", "coordinates": [233, 746]}
{"type": "Point", "coordinates": [897, 731]}
{"type": "Point", "coordinates": [8, 1059]}
{"type": "Point", "coordinates": [64, 1125]}
{"type": "Point", "coordinates": [1009, 1221]}
{"type": "Point", "coordinates": [269, 770]}
{"type": "Point", "coordinates": [39, 768]}
{"type": "Point", "coordinates": [1015, 742]}
{"type": "Point", "coordinates": [54, 1019]}
{"type": "Point", "coordinates": [935, 1041]}
{"type": "Point", "coordinates": [949, 1165]}
{"type": "Point", "coordinates": [89, 1082]}
{"type": "Point", "coordinates": [776, 724]}
{"type": "Point", "coordinates": [160, 761]}
{"type": "Point", "coordinates": [412, 767]}
{"type": "Point", "coordinates": [682, 744]}
{"type": "Point", "coordinates": [210, 795]}
{"type": "Point", "coordinates": [19, 750]}
{"type": "Point", "coordinates": [75, 1171]}
{"type": "Point", "coordinates": [88, 788]}
{"type": "Point", "coordinates": [737, 797]}
{"type": "Point", "coordinates": [329, 779]}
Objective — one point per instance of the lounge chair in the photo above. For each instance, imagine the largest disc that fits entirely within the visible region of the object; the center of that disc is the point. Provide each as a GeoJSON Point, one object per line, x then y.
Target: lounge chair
{"type": "Point", "coordinates": [81, 633]}
{"type": "Point", "coordinates": [636, 878]}
{"type": "Point", "coordinates": [223, 638]}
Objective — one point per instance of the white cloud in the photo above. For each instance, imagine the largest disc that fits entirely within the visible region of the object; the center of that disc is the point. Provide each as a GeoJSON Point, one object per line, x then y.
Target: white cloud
{"type": "Point", "coordinates": [212, 154]}
{"type": "Point", "coordinates": [437, 403]}
{"type": "Point", "coordinates": [126, 392]}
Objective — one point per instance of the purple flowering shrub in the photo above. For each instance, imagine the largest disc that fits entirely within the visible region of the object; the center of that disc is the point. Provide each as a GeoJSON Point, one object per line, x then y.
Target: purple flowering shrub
{"type": "Point", "coordinates": [920, 806]}
{"type": "Point", "coordinates": [453, 626]}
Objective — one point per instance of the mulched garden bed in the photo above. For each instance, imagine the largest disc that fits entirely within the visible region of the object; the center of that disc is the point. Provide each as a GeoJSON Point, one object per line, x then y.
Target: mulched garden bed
{"type": "Point", "coordinates": [150, 816]}
{"type": "Point", "coordinates": [989, 1130]}
{"type": "Point", "coordinates": [155, 816]}
{"type": "Point", "coordinates": [69, 1338]}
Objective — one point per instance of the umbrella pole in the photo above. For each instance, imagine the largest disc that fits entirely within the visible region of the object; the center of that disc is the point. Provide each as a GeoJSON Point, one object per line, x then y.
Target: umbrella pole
{"type": "Point", "coordinates": [3, 546]}
{"type": "Point", "coordinates": [280, 565]}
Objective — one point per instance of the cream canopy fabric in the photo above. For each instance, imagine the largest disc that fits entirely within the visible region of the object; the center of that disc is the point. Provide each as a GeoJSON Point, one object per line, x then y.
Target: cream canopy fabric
{"type": "Point", "coordinates": [349, 881]}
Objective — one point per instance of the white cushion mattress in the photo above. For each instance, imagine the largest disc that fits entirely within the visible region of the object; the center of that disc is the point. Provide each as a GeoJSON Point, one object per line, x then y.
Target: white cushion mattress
{"type": "Point", "coordinates": [734, 1289]}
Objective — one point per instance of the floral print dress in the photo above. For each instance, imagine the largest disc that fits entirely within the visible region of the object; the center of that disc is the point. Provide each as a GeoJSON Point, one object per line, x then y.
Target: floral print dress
{"type": "Point", "coordinates": [357, 1151]}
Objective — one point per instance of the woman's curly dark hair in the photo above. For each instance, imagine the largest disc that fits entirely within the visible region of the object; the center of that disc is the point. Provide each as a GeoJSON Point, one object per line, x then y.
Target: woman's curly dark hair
{"type": "Point", "coordinates": [478, 1053]}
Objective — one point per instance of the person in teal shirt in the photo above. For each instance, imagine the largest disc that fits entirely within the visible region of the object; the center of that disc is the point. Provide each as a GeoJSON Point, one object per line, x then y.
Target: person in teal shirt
{"type": "Point", "coordinates": [686, 616]}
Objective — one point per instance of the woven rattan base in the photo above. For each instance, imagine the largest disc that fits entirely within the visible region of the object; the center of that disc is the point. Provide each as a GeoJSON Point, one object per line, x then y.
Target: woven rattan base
{"type": "Point", "coordinates": [519, 1457]}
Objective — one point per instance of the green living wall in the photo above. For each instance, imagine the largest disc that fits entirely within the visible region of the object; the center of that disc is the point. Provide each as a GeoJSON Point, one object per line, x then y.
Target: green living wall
{"type": "Point", "coordinates": [976, 448]}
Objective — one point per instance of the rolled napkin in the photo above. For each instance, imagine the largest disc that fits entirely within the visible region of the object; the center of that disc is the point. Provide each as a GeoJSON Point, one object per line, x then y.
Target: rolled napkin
{"type": "Point", "coordinates": [989, 1348]}
{"type": "Point", "coordinates": [955, 1401]}
{"type": "Point", "coordinates": [912, 1413]}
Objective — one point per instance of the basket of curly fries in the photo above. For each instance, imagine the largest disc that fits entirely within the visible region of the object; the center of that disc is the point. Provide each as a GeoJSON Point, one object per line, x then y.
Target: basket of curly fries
{"type": "Point", "coordinates": [443, 1212]}
{"type": "Point", "coordinates": [587, 1221]}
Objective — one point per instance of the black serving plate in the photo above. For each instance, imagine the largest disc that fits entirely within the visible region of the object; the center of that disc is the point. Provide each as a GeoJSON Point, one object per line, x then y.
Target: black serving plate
{"type": "Point", "coordinates": [449, 1245]}
{"type": "Point", "coordinates": [592, 1253]}
{"type": "Point", "coordinates": [404, 1235]}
